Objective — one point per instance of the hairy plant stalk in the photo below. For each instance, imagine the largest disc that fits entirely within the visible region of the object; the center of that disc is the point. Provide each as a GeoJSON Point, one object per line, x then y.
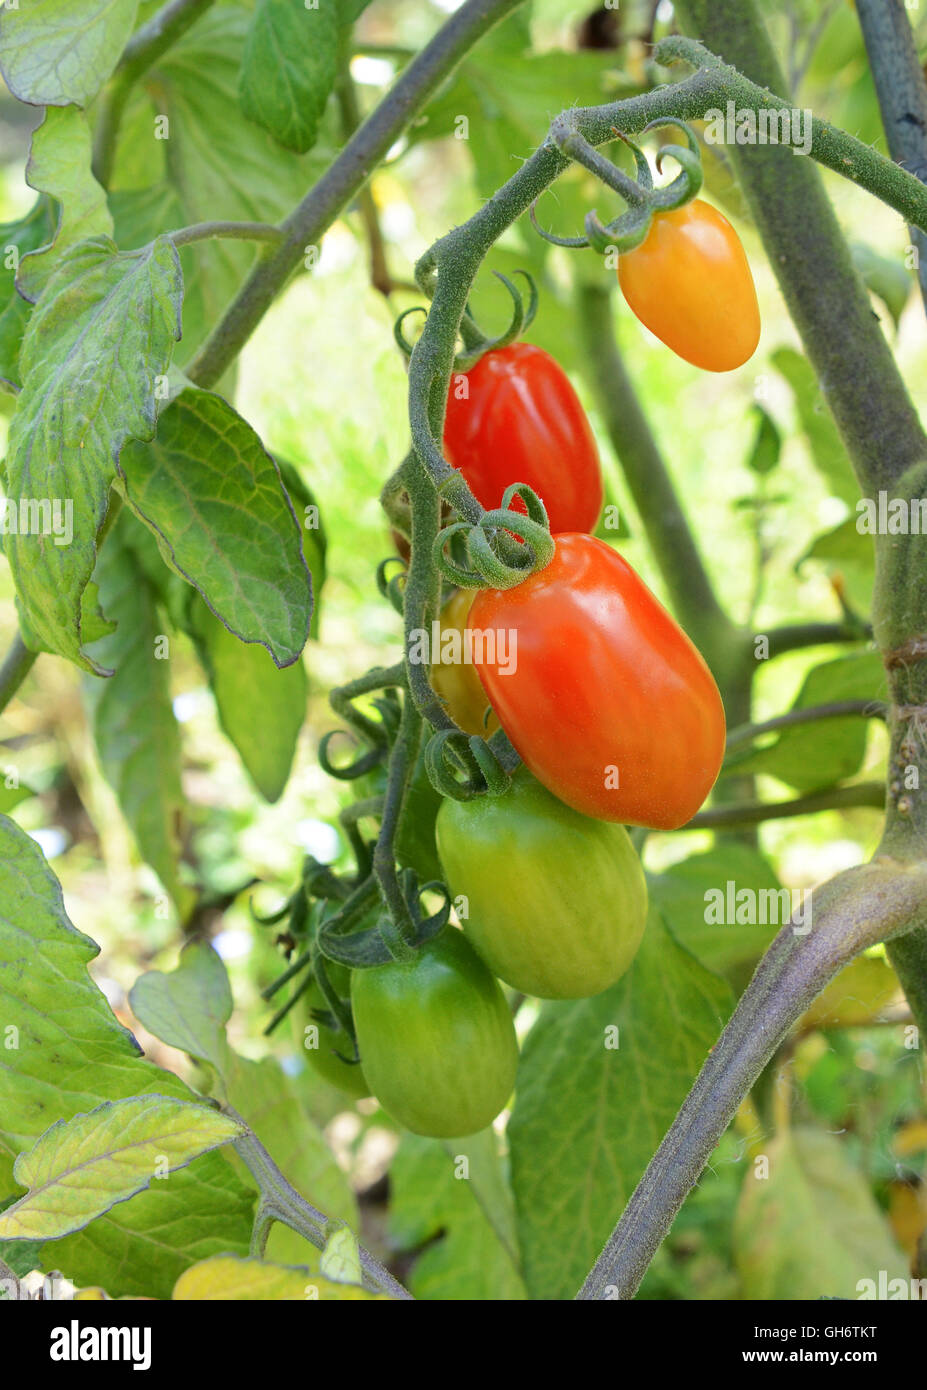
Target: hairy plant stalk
{"type": "Point", "coordinates": [281, 1202]}
{"type": "Point", "coordinates": [902, 93]}
{"type": "Point", "coordinates": [344, 179]}
{"type": "Point", "coordinates": [855, 910]}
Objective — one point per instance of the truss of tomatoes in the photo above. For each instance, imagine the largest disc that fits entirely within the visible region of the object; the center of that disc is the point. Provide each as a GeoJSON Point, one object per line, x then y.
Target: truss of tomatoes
{"type": "Point", "coordinates": [616, 716]}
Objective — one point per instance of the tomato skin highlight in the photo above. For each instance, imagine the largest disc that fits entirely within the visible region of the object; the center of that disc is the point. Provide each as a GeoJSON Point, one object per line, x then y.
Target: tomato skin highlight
{"type": "Point", "coordinates": [690, 283]}
{"type": "Point", "coordinates": [458, 683]}
{"type": "Point", "coordinates": [606, 687]}
{"type": "Point", "coordinates": [556, 902]}
{"type": "Point", "coordinates": [522, 422]}
{"type": "Point", "coordinates": [436, 1038]}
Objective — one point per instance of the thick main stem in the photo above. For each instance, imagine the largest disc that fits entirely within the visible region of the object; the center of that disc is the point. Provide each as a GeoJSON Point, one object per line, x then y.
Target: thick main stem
{"type": "Point", "coordinates": [860, 908]}
{"type": "Point", "coordinates": [824, 294]}
{"type": "Point", "coordinates": [902, 92]}
{"type": "Point", "coordinates": [344, 180]}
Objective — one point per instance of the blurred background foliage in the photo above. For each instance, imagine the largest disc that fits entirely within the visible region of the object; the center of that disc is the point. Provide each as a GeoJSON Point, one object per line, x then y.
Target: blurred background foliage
{"type": "Point", "coordinates": [761, 473]}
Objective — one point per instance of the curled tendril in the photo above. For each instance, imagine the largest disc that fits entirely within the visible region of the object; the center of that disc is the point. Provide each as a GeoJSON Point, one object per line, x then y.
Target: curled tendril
{"type": "Point", "coordinates": [622, 235]}
{"type": "Point", "coordinates": [626, 232]}
{"type": "Point", "coordinates": [462, 766]}
{"type": "Point", "coordinates": [572, 242]}
{"type": "Point", "coordinates": [688, 181]}
{"type": "Point", "coordinates": [491, 562]}
{"type": "Point", "coordinates": [451, 767]}
{"type": "Point", "coordinates": [497, 778]}
{"type": "Point", "coordinates": [391, 589]}
{"type": "Point", "coordinates": [477, 344]}
{"type": "Point", "coordinates": [363, 764]}
{"type": "Point", "coordinates": [644, 176]}
{"type": "Point", "coordinates": [398, 333]}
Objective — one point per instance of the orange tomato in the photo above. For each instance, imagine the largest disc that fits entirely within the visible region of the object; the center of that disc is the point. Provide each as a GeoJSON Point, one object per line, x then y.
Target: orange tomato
{"type": "Point", "coordinates": [690, 283]}
{"type": "Point", "coordinates": [458, 684]}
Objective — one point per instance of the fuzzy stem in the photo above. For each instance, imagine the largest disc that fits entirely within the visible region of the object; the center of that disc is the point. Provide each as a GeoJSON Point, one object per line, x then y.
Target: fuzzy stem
{"type": "Point", "coordinates": [859, 908]}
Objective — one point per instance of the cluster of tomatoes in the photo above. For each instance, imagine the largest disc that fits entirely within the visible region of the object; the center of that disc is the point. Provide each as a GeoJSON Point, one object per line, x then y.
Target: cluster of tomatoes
{"type": "Point", "coordinates": [613, 711]}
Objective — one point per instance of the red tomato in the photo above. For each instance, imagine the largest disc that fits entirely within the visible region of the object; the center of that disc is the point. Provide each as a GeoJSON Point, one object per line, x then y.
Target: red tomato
{"type": "Point", "coordinates": [609, 704]}
{"type": "Point", "coordinates": [520, 421]}
{"type": "Point", "coordinates": [690, 283]}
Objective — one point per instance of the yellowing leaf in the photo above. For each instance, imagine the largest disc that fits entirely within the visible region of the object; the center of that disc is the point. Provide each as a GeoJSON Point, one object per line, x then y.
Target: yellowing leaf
{"type": "Point", "coordinates": [226, 1278]}
{"type": "Point", "coordinates": [811, 1228]}
{"type": "Point", "coordinates": [81, 1167]}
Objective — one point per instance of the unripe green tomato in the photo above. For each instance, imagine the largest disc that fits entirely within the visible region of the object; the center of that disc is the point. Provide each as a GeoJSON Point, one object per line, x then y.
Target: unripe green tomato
{"type": "Point", "coordinates": [322, 1057]}
{"type": "Point", "coordinates": [436, 1038]}
{"type": "Point", "coordinates": [555, 902]}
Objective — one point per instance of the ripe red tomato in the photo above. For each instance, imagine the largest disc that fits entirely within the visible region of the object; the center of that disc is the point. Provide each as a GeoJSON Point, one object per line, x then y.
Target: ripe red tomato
{"type": "Point", "coordinates": [609, 703]}
{"type": "Point", "coordinates": [689, 282]}
{"type": "Point", "coordinates": [515, 418]}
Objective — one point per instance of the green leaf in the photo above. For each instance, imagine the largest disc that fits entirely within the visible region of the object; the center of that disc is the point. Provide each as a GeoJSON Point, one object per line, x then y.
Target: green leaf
{"type": "Point", "coordinates": [341, 1258]}
{"type": "Point", "coordinates": [850, 553]}
{"type": "Point", "coordinates": [102, 333]}
{"type": "Point", "coordinates": [239, 173]}
{"type": "Point", "coordinates": [58, 52]}
{"type": "Point", "coordinates": [811, 1228]}
{"type": "Point", "coordinates": [64, 1053]}
{"type": "Point", "coordinates": [189, 1007]}
{"type": "Point", "coordinates": [588, 1117]}
{"type": "Point", "coordinates": [509, 97]}
{"type": "Point", "coordinates": [59, 165]}
{"type": "Point", "coordinates": [679, 893]}
{"type": "Point", "coordinates": [433, 1194]}
{"type": "Point", "coordinates": [16, 240]}
{"type": "Point", "coordinates": [827, 451]}
{"type": "Point", "coordinates": [307, 513]}
{"type": "Point", "coordinates": [213, 496]}
{"type": "Point", "coordinates": [10, 797]}
{"type": "Point", "coordinates": [261, 709]}
{"type": "Point", "coordinates": [289, 68]}
{"type": "Point", "coordinates": [81, 1167]}
{"type": "Point", "coordinates": [349, 11]}
{"type": "Point", "coordinates": [767, 445]}
{"type": "Point", "coordinates": [134, 727]}
{"type": "Point", "coordinates": [802, 756]}
{"type": "Point", "coordinates": [886, 278]}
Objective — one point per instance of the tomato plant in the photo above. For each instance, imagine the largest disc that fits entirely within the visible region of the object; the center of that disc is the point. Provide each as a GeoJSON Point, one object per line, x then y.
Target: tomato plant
{"type": "Point", "coordinates": [436, 1038]}
{"type": "Point", "coordinates": [233, 375]}
{"type": "Point", "coordinates": [690, 283]}
{"type": "Point", "coordinates": [515, 418]}
{"type": "Point", "coordinates": [555, 902]}
{"type": "Point", "coordinates": [609, 703]}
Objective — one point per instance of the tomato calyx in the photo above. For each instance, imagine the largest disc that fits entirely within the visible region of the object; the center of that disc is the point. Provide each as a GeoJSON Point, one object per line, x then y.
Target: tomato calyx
{"type": "Point", "coordinates": [487, 553]}
{"type": "Point", "coordinates": [475, 342]}
{"type": "Point", "coordinates": [630, 229]}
